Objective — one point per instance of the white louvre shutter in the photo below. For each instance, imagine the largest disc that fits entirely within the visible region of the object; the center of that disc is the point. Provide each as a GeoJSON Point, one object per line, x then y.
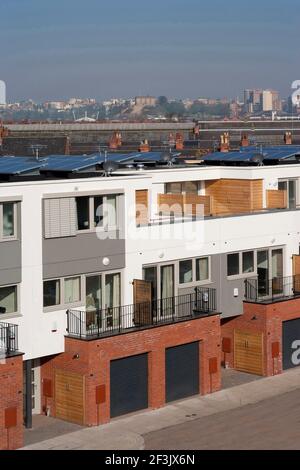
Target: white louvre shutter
{"type": "Point", "coordinates": [60, 217]}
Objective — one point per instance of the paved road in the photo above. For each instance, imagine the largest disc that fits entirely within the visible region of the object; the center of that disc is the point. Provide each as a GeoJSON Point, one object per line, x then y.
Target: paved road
{"type": "Point", "coordinates": [270, 424]}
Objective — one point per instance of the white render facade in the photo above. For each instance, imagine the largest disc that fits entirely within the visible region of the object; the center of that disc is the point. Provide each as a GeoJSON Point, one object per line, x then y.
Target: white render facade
{"type": "Point", "coordinates": [42, 330]}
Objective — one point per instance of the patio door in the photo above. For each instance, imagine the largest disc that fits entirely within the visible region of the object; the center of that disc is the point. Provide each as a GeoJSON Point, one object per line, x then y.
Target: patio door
{"type": "Point", "coordinates": [167, 290]}
{"type": "Point", "coordinates": [277, 272]}
{"type": "Point", "coordinates": [263, 272]}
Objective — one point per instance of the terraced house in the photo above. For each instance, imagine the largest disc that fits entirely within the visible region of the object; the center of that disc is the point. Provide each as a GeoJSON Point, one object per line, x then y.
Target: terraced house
{"type": "Point", "coordinates": [127, 281]}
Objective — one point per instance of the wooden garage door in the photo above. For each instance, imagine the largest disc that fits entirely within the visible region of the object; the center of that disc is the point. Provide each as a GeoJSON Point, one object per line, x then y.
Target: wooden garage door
{"type": "Point", "coordinates": [69, 396]}
{"type": "Point", "coordinates": [248, 352]}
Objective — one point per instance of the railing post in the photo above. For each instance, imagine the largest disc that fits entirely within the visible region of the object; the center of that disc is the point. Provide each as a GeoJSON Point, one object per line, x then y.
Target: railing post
{"type": "Point", "coordinates": [80, 322]}
{"type": "Point", "coordinates": [120, 319]}
{"type": "Point", "coordinates": [68, 320]}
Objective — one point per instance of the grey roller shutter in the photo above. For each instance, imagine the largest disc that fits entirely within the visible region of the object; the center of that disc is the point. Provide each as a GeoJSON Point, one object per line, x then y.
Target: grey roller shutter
{"type": "Point", "coordinates": [60, 217]}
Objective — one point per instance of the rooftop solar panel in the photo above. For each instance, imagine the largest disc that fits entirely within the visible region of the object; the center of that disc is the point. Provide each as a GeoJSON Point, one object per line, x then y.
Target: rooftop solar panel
{"type": "Point", "coordinates": [18, 165]}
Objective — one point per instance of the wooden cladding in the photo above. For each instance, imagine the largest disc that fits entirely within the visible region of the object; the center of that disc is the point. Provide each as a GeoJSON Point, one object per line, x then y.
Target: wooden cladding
{"type": "Point", "coordinates": [276, 199]}
{"type": "Point", "coordinates": [142, 206]}
{"type": "Point", "coordinates": [248, 352]}
{"type": "Point", "coordinates": [234, 196]}
{"type": "Point", "coordinates": [184, 204]}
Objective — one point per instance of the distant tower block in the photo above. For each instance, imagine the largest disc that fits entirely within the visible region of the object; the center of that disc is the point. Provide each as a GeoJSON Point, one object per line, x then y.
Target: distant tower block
{"type": "Point", "coordinates": [288, 138]}
{"type": "Point", "coordinates": [225, 142]}
{"type": "Point", "coordinates": [2, 92]}
{"type": "Point", "coordinates": [245, 140]}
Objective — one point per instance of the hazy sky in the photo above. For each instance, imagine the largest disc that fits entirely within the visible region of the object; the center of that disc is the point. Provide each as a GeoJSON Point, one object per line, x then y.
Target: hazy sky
{"type": "Point", "coordinates": [55, 49]}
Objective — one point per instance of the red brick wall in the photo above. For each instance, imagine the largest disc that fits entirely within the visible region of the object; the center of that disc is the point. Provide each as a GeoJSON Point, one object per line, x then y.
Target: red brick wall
{"type": "Point", "coordinates": [11, 396]}
{"type": "Point", "coordinates": [95, 356]}
{"type": "Point", "coordinates": [265, 319]}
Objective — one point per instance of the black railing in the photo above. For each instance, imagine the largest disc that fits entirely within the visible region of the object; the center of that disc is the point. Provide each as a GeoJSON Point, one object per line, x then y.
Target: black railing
{"type": "Point", "coordinates": [8, 338]}
{"type": "Point", "coordinates": [270, 290]}
{"type": "Point", "coordinates": [116, 320]}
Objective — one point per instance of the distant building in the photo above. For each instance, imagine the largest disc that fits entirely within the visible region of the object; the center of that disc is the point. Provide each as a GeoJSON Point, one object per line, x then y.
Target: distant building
{"type": "Point", "coordinates": [267, 100]}
{"type": "Point", "coordinates": [2, 93]}
{"type": "Point", "coordinates": [256, 101]}
{"type": "Point", "coordinates": [145, 101]}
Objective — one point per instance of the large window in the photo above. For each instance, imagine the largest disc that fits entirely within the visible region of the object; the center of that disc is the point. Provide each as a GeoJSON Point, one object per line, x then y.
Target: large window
{"type": "Point", "coordinates": [248, 262]}
{"type": "Point", "coordinates": [233, 264]}
{"type": "Point", "coordinates": [96, 212]}
{"type": "Point", "coordinates": [290, 187]}
{"type": "Point", "coordinates": [8, 300]}
{"type": "Point", "coordinates": [185, 271]}
{"type": "Point", "coordinates": [72, 290]}
{"type": "Point", "coordinates": [202, 269]}
{"type": "Point", "coordinates": [8, 211]}
{"type": "Point", "coordinates": [51, 293]}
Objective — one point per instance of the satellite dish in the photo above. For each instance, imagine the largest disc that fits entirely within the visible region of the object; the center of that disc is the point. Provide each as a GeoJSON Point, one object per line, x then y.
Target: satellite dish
{"type": "Point", "coordinates": [166, 157]}
{"type": "Point", "coordinates": [109, 167]}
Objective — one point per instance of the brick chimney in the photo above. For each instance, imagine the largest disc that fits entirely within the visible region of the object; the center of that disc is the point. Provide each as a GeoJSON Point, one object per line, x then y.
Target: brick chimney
{"type": "Point", "coordinates": [116, 141]}
{"type": "Point", "coordinates": [179, 141]}
{"type": "Point", "coordinates": [225, 142]}
{"type": "Point", "coordinates": [196, 131]}
{"type": "Point", "coordinates": [245, 140]}
{"type": "Point", "coordinates": [67, 146]}
{"type": "Point", "coordinates": [3, 133]}
{"type": "Point", "coordinates": [144, 147]}
{"type": "Point", "coordinates": [288, 138]}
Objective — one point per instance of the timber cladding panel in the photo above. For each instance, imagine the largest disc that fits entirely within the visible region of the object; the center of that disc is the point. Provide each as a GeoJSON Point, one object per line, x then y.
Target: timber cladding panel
{"type": "Point", "coordinates": [276, 199]}
{"type": "Point", "coordinates": [248, 352]}
{"type": "Point", "coordinates": [70, 396]}
{"type": "Point", "coordinates": [235, 196]}
{"type": "Point", "coordinates": [142, 206]}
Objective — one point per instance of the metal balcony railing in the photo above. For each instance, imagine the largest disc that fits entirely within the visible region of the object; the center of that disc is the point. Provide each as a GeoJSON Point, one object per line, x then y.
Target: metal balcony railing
{"type": "Point", "coordinates": [99, 323]}
{"type": "Point", "coordinates": [8, 338]}
{"type": "Point", "coordinates": [272, 290]}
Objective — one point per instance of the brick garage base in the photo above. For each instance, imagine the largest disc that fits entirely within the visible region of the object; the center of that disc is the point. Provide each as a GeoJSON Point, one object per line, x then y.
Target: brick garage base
{"type": "Point", "coordinates": [266, 319]}
{"type": "Point", "coordinates": [92, 359]}
{"type": "Point", "coordinates": [11, 403]}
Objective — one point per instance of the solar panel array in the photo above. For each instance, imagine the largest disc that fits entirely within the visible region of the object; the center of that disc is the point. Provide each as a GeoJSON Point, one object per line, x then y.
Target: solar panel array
{"type": "Point", "coordinates": [248, 154]}
{"type": "Point", "coordinates": [72, 164]}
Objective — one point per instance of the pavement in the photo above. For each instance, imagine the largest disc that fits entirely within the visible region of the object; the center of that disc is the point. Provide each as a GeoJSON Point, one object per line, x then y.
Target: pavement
{"type": "Point", "coordinates": [223, 414]}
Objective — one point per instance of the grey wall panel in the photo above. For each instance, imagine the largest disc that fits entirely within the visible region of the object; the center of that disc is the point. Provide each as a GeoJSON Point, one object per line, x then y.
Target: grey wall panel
{"type": "Point", "coordinates": [227, 303]}
{"type": "Point", "coordinates": [81, 254]}
{"type": "Point", "coordinates": [10, 262]}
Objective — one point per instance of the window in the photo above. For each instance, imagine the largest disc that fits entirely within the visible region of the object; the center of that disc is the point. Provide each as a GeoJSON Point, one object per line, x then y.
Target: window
{"type": "Point", "coordinates": [51, 293]}
{"type": "Point", "coordinates": [83, 213]}
{"type": "Point", "coordinates": [7, 220]}
{"type": "Point", "coordinates": [185, 271]}
{"type": "Point", "coordinates": [290, 187]}
{"type": "Point", "coordinates": [190, 187]}
{"type": "Point", "coordinates": [98, 211]}
{"type": "Point", "coordinates": [248, 262]}
{"type": "Point", "coordinates": [233, 264]}
{"type": "Point", "coordinates": [72, 290]}
{"type": "Point", "coordinates": [8, 299]}
{"type": "Point", "coordinates": [202, 269]}
{"type": "Point", "coordinates": [173, 188]}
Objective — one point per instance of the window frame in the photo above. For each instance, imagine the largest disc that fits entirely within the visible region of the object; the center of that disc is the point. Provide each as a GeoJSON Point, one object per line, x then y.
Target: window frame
{"type": "Point", "coordinates": [92, 228]}
{"type": "Point", "coordinates": [15, 222]}
{"type": "Point", "coordinates": [242, 275]}
{"type": "Point", "coordinates": [17, 312]}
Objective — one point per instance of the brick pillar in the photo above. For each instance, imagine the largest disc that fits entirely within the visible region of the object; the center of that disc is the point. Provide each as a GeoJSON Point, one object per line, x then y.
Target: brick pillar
{"type": "Point", "coordinates": [288, 138]}
{"type": "Point", "coordinates": [225, 142]}
{"type": "Point", "coordinates": [245, 140]}
{"type": "Point", "coordinates": [11, 403]}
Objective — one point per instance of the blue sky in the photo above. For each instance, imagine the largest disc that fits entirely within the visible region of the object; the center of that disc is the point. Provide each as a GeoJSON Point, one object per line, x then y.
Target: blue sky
{"type": "Point", "coordinates": [55, 49]}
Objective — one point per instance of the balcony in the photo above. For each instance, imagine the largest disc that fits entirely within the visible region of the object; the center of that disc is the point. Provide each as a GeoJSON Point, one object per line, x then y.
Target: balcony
{"type": "Point", "coordinates": [274, 290]}
{"type": "Point", "coordinates": [93, 324]}
{"type": "Point", "coordinates": [8, 339]}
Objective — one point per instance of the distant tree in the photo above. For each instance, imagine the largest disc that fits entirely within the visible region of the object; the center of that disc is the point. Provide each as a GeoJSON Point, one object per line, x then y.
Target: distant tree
{"type": "Point", "coordinates": [175, 109]}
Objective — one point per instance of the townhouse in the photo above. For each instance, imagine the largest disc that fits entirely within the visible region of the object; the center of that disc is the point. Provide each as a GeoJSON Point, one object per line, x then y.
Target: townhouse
{"type": "Point", "coordinates": [126, 282]}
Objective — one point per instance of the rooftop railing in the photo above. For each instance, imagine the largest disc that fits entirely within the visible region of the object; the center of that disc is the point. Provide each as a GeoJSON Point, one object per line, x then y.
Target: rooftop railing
{"type": "Point", "coordinates": [272, 290]}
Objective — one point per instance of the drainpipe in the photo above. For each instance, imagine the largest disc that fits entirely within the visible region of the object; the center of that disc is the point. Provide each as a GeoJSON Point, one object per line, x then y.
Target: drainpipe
{"type": "Point", "coordinates": [28, 395]}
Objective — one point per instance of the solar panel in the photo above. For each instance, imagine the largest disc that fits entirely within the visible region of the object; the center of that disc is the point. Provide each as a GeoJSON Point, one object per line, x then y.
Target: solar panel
{"type": "Point", "coordinates": [18, 165]}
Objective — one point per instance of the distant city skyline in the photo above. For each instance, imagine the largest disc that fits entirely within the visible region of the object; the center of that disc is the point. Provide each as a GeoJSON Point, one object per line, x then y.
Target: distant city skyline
{"type": "Point", "coordinates": [64, 48]}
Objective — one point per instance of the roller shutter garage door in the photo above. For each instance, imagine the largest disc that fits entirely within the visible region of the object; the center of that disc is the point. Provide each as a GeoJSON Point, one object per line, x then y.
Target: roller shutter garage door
{"type": "Point", "coordinates": [128, 385]}
{"type": "Point", "coordinates": [291, 343]}
{"type": "Point", "coordinates": [182, 371]}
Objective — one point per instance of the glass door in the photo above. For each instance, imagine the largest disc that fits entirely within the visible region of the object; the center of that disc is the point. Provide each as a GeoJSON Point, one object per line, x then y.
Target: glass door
{"type": "Point", "coordinates": [292, 194]}
{"type": "Point", "coordinates": [93, 301]}
{"type": "Point", "coordinates": [277, 272]}
{"type": "Point", "coordinates": [167, 290]}
{"type": "Point", "coordinates": [263, 273]}
{"type": "Point", "coordinates": [112, 299]}
{"type": "Point", "coordinates": [150, 275]}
